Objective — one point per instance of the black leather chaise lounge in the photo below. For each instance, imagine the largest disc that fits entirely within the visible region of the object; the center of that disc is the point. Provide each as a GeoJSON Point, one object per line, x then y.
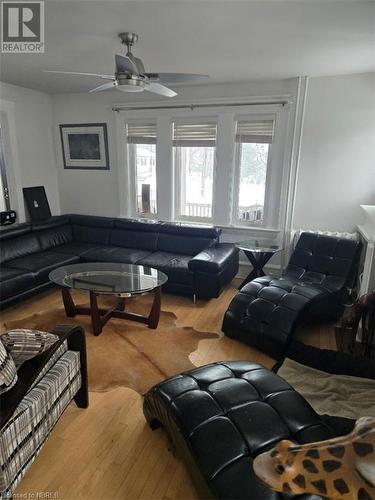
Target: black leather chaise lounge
{"type": "Point", "coordinates": [221, 416]}
{"type": "Point", "coordinates": [266, 312]}
{"type": "Point", "coordinates": [192, 256]}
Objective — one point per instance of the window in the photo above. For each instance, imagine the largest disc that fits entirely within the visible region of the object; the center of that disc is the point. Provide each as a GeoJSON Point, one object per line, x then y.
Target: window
{"type": "Point", "coordinates": [194, 153]}
{"type": "Point", "coordinates": [227, 165]}
{"type": "Point", "coordinates": [142, 157]}
{"type": "Point", "coordinates": [253, 142]}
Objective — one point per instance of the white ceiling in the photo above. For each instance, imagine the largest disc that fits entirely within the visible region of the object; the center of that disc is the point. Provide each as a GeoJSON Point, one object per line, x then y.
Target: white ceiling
{"type": "Point", "coordinates": [230, 40]}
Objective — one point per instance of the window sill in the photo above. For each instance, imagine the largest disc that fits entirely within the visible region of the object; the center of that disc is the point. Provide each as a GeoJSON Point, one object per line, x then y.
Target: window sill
{"type": "Point", "coordinates": [251, 229]}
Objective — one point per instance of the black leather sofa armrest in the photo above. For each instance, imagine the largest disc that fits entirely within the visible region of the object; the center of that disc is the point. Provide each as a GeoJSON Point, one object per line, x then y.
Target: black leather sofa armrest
{"type": "Point", "coordinates": [30, 370]}
{"type": "Point", "coordinates": [214, 259]}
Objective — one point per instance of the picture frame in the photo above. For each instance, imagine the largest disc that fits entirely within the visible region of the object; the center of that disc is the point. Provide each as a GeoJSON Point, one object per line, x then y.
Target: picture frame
{"type": "Point", "coordinates": [36, 203]}
{"type": "Point", "coordinates": [85, 146]}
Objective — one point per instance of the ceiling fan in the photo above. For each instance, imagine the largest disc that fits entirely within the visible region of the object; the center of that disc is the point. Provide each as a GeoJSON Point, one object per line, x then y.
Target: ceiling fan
{"type": "Point", "coordinates": [130, 74]}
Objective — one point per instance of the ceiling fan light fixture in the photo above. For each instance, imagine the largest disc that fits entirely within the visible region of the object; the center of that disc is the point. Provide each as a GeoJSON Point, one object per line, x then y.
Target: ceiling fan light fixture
{"type": "Point", "coordinates": [130, 85]}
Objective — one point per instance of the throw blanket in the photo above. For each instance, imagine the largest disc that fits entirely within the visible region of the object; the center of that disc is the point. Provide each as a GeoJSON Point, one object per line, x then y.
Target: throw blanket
{"type": "Point", "coordinates": [336, 395]}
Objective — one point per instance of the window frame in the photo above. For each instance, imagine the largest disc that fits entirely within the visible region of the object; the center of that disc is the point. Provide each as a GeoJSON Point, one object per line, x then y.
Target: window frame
{"type": "Point", "coordinates": [132, 170]}
{"type": "Point", "coordinates": [177, 172]}
{"type": "Point", "coordinates": [235, 220]}
{"type": "Point", "coordinates": [4, 186]}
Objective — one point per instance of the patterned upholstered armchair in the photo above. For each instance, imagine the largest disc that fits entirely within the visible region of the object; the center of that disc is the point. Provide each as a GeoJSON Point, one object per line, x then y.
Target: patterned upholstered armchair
{"type": "Point", "coordinates": [30, 409]}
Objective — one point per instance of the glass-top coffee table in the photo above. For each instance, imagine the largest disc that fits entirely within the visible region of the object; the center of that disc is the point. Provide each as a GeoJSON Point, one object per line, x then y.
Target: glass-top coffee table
{"type": "Point", "coordinates": [121, 280]}
{"type": "Point", "coordinates": [259, 253]}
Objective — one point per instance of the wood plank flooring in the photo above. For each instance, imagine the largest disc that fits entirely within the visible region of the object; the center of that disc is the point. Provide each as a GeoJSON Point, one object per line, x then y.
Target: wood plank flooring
{"type": "Point", "coordinates": [107, 451]}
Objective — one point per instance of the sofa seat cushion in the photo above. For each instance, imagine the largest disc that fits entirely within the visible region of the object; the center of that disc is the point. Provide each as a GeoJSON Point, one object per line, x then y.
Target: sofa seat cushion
{"type": "Point", "coordinates": [228, 413]}
{"type": "Point", "coordinates": [76, 248]}
{"type": "Point", "coordinates": [41, 263]}
{"type": "Point", "coordinates": [115, 254]}
{"type": "Point", "coordinates": [174, 265]}
{"type": "Point", "coordinates": [14, 281]}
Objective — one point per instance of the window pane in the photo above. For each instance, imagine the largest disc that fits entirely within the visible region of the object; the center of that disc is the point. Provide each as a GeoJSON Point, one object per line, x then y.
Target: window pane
{"type": "Point", "coordinates": [196, 174]}
{"type": "Point", "coordinates": [141, 138]}
{"type": "Point", "coordinates": [252, 181]}
{"type": "Point", "coordinates": [195, 147]}
{"type": "Point", "coordinates": [145, 164]}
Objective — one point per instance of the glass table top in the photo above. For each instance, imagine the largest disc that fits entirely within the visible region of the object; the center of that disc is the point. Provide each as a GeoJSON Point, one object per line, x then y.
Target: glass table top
{"type": "Point", "coordinates": [259, 245]}
{"type": "Point", "coordinates": [108, 278]}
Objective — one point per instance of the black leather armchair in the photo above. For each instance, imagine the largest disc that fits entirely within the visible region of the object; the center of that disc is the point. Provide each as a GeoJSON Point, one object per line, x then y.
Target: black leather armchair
{"type": "Point", "coordinates": [266, 311]}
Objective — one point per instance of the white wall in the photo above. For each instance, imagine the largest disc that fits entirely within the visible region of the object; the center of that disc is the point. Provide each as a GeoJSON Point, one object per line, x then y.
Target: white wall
{"type": "Point", "coordinates": [96, 192]}
{"type": "Point", "coordinates": [34, 160]}
{"type": "Point", "coordinates": [337, 163]}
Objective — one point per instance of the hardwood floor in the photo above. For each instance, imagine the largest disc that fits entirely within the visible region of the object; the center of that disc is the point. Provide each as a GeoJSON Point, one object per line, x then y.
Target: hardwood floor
{"type": "Point", "coordinates": [107, 451]}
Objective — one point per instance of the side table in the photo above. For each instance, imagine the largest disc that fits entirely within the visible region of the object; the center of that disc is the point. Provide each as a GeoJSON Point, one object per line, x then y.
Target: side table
{"type": "Point", "coordinates": [259, 252]}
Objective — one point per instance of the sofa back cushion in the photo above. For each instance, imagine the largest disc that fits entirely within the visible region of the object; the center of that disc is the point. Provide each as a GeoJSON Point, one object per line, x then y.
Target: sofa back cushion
{"type": "Point", "coordinates": [90, 234]}
{"type": "Point", "coordinates": [136, 233]}
{"type": "Point", "coordinates": [20, 246]}
{"type": "Point", "coordinates": [133, 239]}
{"type": "Point", "coordinates": [185, 245]}
{"type": "Point", "coordinates": [55, 236]}
{"type": "Point", "coordinates": [91, 229]}
{"type": "Point", "coordinates": [186, 239]}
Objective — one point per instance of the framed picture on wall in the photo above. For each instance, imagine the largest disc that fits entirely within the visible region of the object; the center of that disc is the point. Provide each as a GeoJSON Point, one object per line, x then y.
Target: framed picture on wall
{"type": "Point", "coordinates": [85, 146]}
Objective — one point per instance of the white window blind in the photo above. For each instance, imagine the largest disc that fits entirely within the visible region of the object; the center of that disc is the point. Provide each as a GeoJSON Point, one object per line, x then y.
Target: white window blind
{"type": "Point", "coordinates": [255, 131]}
{"type": "Point", "coordinates": [141, 133]}
{"type": "Point", "coordinates": [194, 134]}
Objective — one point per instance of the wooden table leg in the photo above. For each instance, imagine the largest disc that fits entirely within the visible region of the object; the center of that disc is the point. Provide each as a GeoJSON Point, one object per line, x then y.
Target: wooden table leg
{"type": "Point", "coordinates": [154, 316]}
{"type": "Point", "coordinates": [121, 304]}
{"type": "Point", "coordinates": [70, 308]}
{"type": "Point", "coordinates": [95, 314]}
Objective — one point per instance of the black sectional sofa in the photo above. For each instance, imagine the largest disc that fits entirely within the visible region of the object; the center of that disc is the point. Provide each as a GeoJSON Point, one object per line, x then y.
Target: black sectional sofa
{"type": "Point", "coordinates": [191, 255]}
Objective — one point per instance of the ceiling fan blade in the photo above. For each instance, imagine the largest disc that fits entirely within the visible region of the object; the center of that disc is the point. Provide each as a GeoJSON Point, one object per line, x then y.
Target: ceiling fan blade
{"type": "Point", "coordinates": [105, 77]}
{"type": "Point", "coordinates": [157, 88]}
{"type": "Point", "coordinates": [176, 77]}
{"type": "Point", "coordinates": [105, 86]}
{"type": "Point", "coordinates": [125, 65]}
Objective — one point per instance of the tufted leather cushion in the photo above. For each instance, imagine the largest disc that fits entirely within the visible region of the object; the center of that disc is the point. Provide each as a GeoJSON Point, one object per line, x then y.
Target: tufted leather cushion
{"type": "Point", "coordinates": [266, 311]}
{"type": "Point", "coordinates": [323, 260]}
{"type": "Point", "coordinates": [228, 413]}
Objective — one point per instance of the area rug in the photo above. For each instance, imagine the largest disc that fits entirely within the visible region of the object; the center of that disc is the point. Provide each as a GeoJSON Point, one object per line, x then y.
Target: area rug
{"type": "Point", "coordinates": [127, 353]}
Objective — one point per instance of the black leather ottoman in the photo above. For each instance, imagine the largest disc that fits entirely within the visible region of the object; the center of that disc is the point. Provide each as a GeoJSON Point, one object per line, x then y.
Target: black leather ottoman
{"type": "Point", "coordinates": [266, 312]}
{"type": "Point", "coordinates": [222, 415]}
